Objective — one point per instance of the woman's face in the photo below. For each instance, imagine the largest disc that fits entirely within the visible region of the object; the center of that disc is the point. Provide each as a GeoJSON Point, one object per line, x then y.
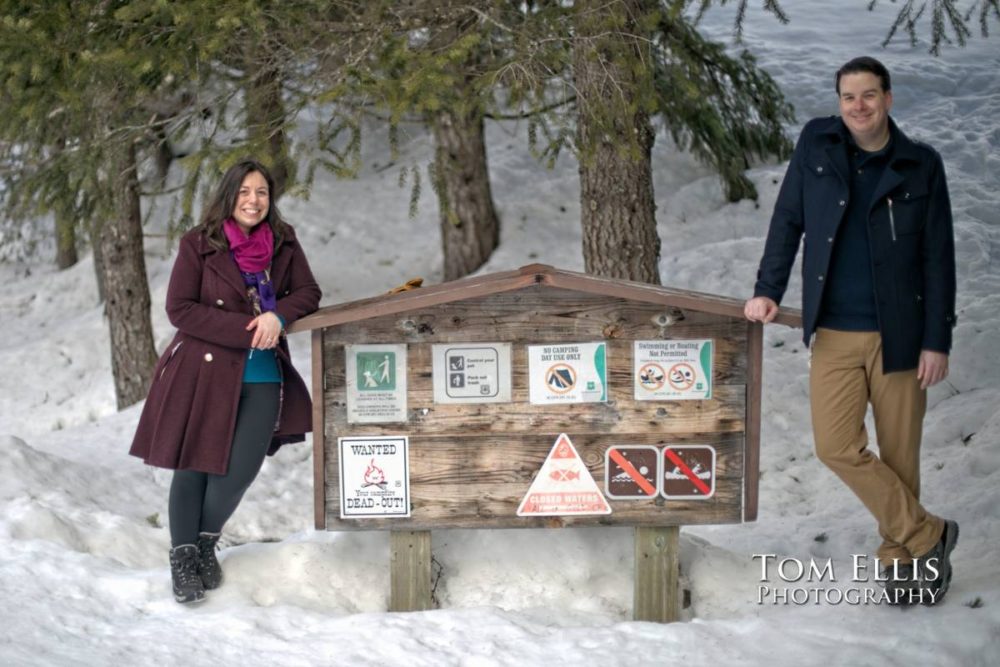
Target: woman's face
{"type": "Point", "coordinates": [252, 202]}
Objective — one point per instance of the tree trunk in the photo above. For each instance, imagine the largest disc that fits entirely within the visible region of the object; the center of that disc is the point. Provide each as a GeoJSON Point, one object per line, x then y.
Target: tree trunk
{"type": "Point", "coordinates": [470, 229]}
{"type": "Point", "coordinates": [123, 274]}
{"type": "Point", "coordinates": [163, 157]}
{"type": "Point", "coordinates": [266, 118]}
{"type": "Point", "coordinates": [66, 255]}
{"type": "Point", "coordinates": [94, 232]}
{"type": "Point", "coordinates": [614, 140]}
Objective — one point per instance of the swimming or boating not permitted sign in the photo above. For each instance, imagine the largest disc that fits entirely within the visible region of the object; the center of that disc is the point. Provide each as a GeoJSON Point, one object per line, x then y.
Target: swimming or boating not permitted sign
{"type": "Point", "coordinates": [570, 373]}
{"type": "Point", "coordinates": [672, 370]}
{"type": "Point", "coordinates": [374, 476]}
{"type": "Point", "coordinates": [563, 486]}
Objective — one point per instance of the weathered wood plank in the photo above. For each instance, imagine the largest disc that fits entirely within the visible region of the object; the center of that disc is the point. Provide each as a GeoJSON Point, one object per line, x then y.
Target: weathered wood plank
{"type": "Point", "coordinates": [480, 481]}
{"type": "Point", "coordinates": [318, 432]}
{"type": "Point", "coordinates": [622, 413]}
{"type": "Point", "coordinates": [657, 569]}
{"type": "Point", "coordinates": [755, 379]}
{"type": "Point", "coordinates": [728, 366]}
{"type": "Point", "coordinates": [537, 315]}
{"type": "Point", "coordinates": [723, 413]}
{"type": "Point", "coordinates": [410, 570]}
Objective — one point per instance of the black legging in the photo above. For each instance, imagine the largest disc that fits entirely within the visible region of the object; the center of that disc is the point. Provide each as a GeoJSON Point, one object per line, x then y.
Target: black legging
{"type": "Point", "coordinates": [202, 502]}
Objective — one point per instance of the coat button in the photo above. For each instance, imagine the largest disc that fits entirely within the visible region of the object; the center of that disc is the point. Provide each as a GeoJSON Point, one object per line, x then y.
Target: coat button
{"type": "Point", "coordinates": [821, 278]}
{"type": "Point", "coordinates": [829, 239]}
{"type": "Point", "coordinates": [819, 170]}
{"type": "Point", "coordinates": [220, 303]}
{"type": "Point", "coordinates": [208, 356]}
{"type": "Point", "coordinates": [842, 202]}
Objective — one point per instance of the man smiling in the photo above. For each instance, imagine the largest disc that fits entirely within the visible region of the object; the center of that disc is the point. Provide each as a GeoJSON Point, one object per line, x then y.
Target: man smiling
{"type": "Point", "coordinates": [871, 208]}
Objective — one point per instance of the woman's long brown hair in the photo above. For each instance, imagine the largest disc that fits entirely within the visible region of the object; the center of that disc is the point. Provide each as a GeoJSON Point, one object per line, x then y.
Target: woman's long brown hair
{"type": "Point", "coordinates": [223, 201]}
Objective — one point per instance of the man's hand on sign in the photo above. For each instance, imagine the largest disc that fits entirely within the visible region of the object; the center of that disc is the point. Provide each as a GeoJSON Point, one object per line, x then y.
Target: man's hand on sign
{"type": "Point", "coordinates": [760, 309]}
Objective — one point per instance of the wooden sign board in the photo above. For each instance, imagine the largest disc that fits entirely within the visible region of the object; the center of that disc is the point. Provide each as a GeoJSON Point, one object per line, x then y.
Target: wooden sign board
{"type": "Point", "coordinates": [472, 463]}
{"type": "Point", "coordinates": [657, 389]}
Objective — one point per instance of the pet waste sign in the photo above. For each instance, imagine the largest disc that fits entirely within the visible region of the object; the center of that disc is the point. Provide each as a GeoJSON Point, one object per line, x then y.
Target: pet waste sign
{"type": "Point", "coordinates": [374, 477]}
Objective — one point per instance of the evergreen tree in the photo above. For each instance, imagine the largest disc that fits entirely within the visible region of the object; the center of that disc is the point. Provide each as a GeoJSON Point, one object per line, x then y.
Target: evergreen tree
{"type": "Point", "coordinates": [429, 65]}
{"type": "Point", "coordinates": [633, 59]}
{"type": "Point", "coordinates": [76, 90]}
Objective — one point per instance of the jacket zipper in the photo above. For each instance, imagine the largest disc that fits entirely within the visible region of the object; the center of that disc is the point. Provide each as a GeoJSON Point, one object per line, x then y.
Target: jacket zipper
{"type": "Point", "coordinates": [892, 220]}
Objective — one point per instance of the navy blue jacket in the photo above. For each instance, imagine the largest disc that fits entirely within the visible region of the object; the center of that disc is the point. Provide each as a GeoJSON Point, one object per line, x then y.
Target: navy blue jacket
{"type": "Point", "coordinates": [909, 234]}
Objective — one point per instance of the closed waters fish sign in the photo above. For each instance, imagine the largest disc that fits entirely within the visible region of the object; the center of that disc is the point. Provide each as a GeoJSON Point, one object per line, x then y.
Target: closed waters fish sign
{"type": "Point", "coordinates": [563, 486]}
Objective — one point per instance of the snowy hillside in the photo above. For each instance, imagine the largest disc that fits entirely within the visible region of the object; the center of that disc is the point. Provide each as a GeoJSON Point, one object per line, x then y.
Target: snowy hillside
{"type": "Point", "coordinates": [84, 578]}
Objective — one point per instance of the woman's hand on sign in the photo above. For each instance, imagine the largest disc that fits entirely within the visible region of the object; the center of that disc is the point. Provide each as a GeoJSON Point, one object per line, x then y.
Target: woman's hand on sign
{"type": "Point", "coordinates": [266, 329]}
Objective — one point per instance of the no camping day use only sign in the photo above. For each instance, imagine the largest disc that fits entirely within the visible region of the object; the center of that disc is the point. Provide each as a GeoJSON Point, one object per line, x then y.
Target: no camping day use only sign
{"type": "Point", "coordinates": [672, 370]}
{"type": "Point", "coordinates": [472, 373]}
{"type": "Point", "coordinates": [563, 486]}
{"type": "Point", "coordinates": [632, 472]}
{"type": "Point", "coordinates": [688, 472]}
{"type": "Point", "coordinates": [376, 383]}
{"type": "Point", "coordinates": [374, 476]}
{"type": "Point", "coordinates": [570, 373]}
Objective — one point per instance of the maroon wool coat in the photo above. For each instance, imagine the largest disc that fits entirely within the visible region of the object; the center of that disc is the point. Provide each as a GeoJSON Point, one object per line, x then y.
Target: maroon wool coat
{"type": "Point", "coordinates": [190, 413]}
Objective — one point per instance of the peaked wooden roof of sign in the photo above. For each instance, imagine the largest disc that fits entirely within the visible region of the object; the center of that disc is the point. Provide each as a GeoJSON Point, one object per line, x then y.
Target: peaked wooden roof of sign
{"type": "Point", "coordinates": [526, 276]}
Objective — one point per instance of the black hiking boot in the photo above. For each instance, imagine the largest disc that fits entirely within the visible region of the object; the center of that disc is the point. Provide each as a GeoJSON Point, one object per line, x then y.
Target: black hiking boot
{"type": "Point", "coordinates": [935, 565]}
{"type": "Point", "coordinates": [209, 568]}
{"type": "Point", "coordinates": [184, 571]}
{"type": "Point", "coordinates": [900, 580]}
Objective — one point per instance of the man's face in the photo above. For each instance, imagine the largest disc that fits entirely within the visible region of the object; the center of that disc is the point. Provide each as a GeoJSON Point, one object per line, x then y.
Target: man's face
{"type": "Point", "coordinates": [864, 106]}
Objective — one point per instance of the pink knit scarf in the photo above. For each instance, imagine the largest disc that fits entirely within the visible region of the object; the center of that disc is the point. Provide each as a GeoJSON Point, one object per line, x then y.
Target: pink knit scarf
{"type": "Point", "coordinates": [252, 253]}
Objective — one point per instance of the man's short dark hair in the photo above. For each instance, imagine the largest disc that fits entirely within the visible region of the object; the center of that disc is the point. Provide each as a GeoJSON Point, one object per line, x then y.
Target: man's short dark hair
{"type": "Point", "coordinates": [865, 64]}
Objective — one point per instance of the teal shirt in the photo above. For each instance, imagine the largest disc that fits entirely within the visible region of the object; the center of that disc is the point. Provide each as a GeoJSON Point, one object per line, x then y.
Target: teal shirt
{"type": "Point", "coordinates": [262, 365]}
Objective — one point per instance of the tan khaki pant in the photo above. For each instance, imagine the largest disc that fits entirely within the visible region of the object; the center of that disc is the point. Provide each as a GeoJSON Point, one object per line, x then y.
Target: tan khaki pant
{"type": "Point", "coordinates": [846, 375]}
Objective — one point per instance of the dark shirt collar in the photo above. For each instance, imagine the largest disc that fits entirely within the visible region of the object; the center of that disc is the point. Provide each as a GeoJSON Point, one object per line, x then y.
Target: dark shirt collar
{"type": "Point", "coordinates": [902, 147]}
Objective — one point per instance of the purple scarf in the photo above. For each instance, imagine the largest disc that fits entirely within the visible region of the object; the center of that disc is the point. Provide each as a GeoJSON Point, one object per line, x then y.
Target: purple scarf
{"type": "Point", "coordinates": [253, 258]}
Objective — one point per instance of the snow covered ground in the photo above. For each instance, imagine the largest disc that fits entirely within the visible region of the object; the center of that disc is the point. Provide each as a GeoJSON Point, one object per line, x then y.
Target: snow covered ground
{"type": "Point", "coordinates": [83, 572]}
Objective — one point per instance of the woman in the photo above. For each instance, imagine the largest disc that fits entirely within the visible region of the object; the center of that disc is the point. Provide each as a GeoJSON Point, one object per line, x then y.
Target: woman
{"type": "Point", "coordinates": [224, 393]}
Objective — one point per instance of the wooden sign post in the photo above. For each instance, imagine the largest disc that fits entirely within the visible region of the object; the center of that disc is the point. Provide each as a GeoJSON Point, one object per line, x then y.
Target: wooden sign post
{"type": "Point", "coordinates": [444, 404]}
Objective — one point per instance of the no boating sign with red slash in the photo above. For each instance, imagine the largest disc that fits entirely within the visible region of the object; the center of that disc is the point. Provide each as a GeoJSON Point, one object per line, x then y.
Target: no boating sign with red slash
{"type": "Point", "coordinates": [688, 472]}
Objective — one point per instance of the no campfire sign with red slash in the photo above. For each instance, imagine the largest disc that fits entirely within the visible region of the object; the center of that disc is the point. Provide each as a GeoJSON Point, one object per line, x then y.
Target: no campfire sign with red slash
{"type": "Point", "coordinates": [632, 472]}
{"type": "Point", "coordinates": [688, 472]}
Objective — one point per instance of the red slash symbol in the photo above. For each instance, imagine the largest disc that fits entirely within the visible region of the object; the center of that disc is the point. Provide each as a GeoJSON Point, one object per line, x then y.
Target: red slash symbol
{"type": "Point", "coordinates": [636, 476]}
{"type": "Point", "coordinates": [676, 460]}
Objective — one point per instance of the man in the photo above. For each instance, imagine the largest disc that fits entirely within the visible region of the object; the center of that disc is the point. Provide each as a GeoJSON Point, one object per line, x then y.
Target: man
{"type": "Point", "coordinates": [871, 207]}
